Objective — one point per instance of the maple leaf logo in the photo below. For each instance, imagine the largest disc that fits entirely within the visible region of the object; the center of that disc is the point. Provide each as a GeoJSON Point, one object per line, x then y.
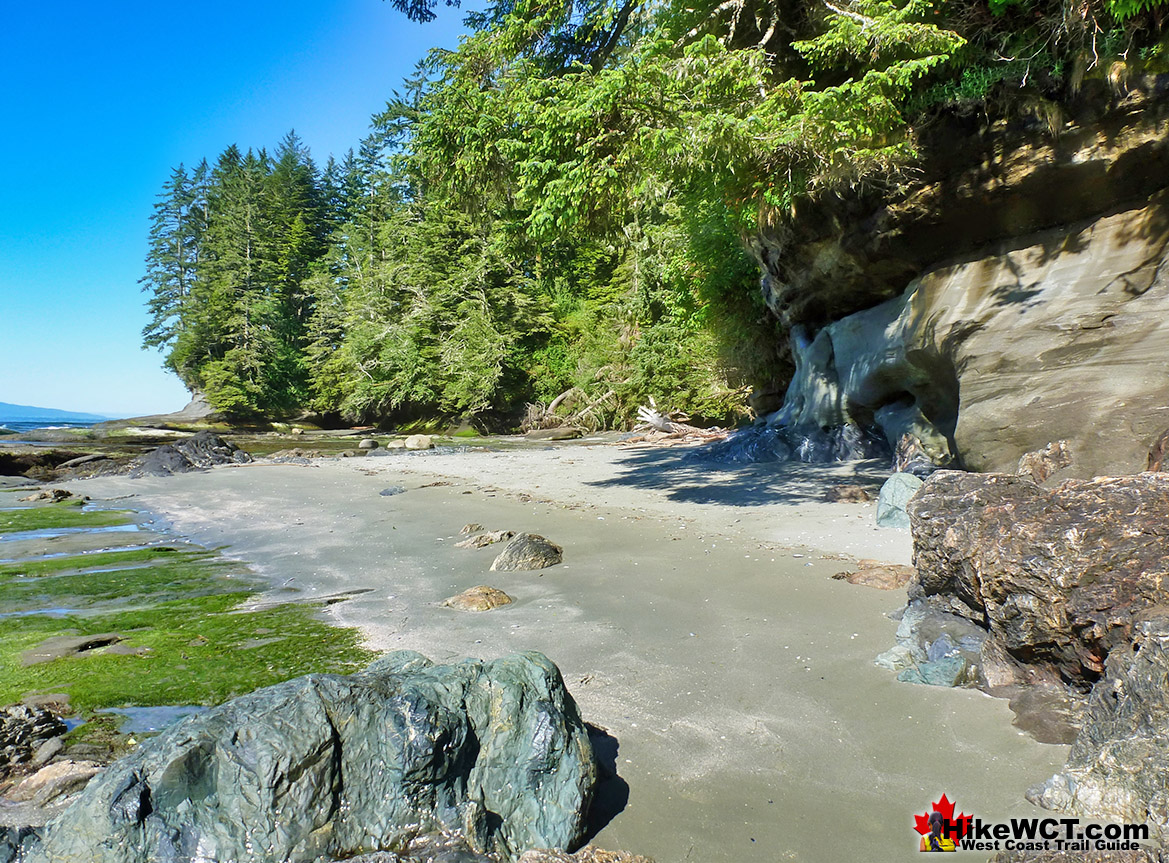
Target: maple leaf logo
{"type": "Point", "coordinates": [945, 808]}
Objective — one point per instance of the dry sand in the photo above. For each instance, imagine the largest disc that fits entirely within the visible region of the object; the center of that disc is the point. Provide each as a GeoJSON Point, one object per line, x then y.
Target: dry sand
{"type": "Point", "coordinates": [693, 617]}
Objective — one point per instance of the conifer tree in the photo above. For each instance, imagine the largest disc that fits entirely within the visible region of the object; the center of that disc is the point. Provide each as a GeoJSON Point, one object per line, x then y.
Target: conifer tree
{"type": "Point", "coordinates": [176, 229]}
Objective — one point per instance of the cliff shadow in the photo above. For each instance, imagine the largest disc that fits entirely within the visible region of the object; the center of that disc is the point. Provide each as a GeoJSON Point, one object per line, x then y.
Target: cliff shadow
{"type": "Point", "coordinates": [686, 477]}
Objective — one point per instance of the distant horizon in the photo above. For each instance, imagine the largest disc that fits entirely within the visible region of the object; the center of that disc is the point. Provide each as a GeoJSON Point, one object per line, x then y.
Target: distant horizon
{"type": "Point", "coordinates": [78, 412]}
{"type": "Point", "coordinates": [14, 411]}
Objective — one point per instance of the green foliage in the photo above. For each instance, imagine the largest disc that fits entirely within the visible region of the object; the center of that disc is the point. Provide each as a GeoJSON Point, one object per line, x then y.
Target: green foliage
{"type": "Point", "coordinates": [1123, 10]}
{"type": "Point", "coordinates": [559, 205]}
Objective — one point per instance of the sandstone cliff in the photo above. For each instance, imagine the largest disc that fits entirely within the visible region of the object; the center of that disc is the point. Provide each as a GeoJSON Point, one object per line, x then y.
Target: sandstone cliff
{"type": "Point", "coordinates": [1015, 295]}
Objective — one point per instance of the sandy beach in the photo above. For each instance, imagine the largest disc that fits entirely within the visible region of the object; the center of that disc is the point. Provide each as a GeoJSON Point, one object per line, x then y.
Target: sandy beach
{"type": "Point", "coordinates": [694, 618]}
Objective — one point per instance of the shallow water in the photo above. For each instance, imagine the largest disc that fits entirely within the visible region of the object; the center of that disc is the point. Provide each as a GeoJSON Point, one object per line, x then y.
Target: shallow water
{"type": "Point", "coordinates": [54, 532]}
{"type": "Point", "coordinates": [48, 612]}
{"type": "Point", "coordinates": [146, 720]}
{"type": "Point", "coordinates": [81, 544]}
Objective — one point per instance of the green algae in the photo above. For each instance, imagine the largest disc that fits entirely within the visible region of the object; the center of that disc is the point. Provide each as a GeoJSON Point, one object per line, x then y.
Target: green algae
{"type": "Point", "coordinates": [55, 515]}
{"type": "Point", "coordinates": [193, 651]}
{"type": "Point", "coordinates": [187, 635]}
{"type": "Point", "coordinates": [37, 567]}
{"type": "Point", "coordinates": [158, 579]}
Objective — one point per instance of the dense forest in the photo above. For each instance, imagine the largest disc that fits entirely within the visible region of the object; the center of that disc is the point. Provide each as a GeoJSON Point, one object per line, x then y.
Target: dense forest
{"type": "Point", "coordinates": [553, 215]}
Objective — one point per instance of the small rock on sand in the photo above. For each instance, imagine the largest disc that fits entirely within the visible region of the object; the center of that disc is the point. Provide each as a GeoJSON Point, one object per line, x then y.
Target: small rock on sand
{"type": "Point", "coordinates": [528, 551]}
{"type": "Point", "coordinates": [419, 441]}
{"type": "Point", "coordinates": [882, 576]}
{"type": "Point", "coordinates": [53, 494]}
{"type": "Point", "coordinates": [490, 537]}
{"type": "Point", "coordinates": [479, 598]}
{"type": "Point", "coordinates": [847, 494]}
{"type": "Point", "coordinates": [470, 528]}
{"type": "Point", "coordinates": [1042, 463]}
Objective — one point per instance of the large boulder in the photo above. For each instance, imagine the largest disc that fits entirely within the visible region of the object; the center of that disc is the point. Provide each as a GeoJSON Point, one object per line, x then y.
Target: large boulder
{"type": "Point", "coordinates": [1116, 767]}
{"type": "Point", "coordinates": [199, 451]}
{"type": "Point", "coordinates": [328, 766]}
{"type": "Point", "coordinates": [1058, 576]}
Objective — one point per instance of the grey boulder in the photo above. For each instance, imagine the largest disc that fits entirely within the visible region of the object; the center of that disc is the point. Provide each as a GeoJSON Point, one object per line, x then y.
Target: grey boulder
{"type": "Point", "coordinates": [894, 497]}
{"type": "Point", "coordinates": [528, 551]}
{"type": "Point", "coordinates": [202, 450]}
{"type": "Point", "coordinates": [328, 766]}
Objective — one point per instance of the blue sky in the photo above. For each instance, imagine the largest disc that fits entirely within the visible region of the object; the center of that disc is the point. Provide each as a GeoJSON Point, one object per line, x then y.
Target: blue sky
{"type": "Point", "coordinates": [98, 101]}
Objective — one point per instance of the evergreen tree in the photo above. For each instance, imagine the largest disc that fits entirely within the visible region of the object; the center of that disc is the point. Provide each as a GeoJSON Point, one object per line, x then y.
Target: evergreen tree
{"type": "Point", "coordinates": [176, 230]}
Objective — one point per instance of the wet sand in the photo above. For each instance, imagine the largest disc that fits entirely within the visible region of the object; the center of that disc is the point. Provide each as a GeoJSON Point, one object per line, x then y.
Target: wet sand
{"type": "Point", "coordinates": [694, 618]}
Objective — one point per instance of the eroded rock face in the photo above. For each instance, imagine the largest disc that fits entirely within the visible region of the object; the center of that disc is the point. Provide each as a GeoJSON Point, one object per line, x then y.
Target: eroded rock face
{"type": "Point", "coordinates": [1058, 576]}
{"type": "Point", "coordinates": [1116, 767]}
{"type": "Point", "coordinates": [331, 766]}
{"type": "Point", "coordinates": [976, 184]}
{"type": "Point", "coordinates": [1056, 336]}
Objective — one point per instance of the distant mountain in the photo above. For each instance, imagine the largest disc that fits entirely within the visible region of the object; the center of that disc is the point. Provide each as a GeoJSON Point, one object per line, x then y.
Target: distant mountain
{"type": "Point", "coordinates": [29, 414]}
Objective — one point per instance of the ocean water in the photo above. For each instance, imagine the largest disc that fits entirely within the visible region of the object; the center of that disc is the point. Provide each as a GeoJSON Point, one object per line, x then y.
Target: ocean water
{"type": "Point", "coordinates": [30, 424]}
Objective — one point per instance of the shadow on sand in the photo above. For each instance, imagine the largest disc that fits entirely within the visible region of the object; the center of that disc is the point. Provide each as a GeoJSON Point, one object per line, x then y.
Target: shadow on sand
{"type": "Point", "coordinates": [612, 792]}
{"type": "Point", "coordinates": [686, 478]}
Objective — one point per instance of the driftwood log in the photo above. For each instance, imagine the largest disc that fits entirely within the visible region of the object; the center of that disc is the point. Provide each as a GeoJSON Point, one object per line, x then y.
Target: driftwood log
{"type": "Point", "coordinates": [659, 428]}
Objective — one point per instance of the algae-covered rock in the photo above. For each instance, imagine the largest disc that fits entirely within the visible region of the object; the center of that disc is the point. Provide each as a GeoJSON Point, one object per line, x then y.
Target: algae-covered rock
{"type": "Point", "coordinates": [329, 766]}
{"type": "Point", "coordinates": [947, 671]}
{"type": "Point", "coordinates": [894, 497]}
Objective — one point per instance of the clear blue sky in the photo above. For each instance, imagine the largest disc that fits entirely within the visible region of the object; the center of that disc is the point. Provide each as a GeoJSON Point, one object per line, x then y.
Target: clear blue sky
{"type": "Point", "coordinates": [98, 101]}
